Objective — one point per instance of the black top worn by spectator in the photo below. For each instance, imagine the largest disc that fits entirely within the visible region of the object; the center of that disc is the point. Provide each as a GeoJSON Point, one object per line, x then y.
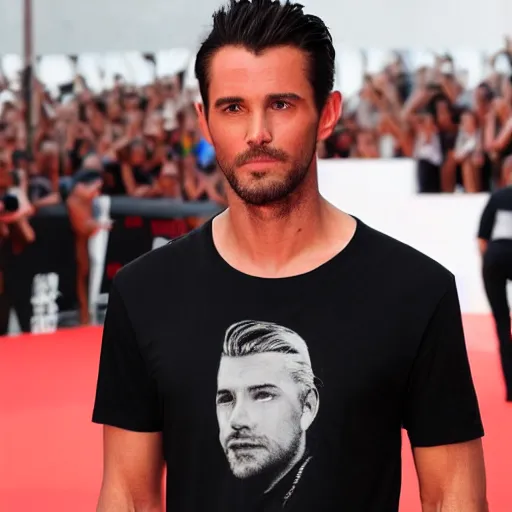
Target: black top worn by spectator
{"type": "Point", "coordinates": [496, 220]}
{"type": "Point", "coordinates": [142, 176]}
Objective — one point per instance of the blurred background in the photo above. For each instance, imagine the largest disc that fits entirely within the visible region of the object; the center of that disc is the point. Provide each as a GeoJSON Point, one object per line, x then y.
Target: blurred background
{"type": "Point", "coordinates": [101, 160]}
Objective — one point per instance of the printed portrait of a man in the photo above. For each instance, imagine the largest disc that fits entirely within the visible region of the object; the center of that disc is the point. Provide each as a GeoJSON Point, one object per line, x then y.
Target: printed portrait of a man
{"type": "Point", "coordinates": [266, 401]}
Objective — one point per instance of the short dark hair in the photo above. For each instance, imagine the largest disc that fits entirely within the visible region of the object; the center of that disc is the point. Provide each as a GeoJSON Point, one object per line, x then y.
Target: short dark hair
{"type": "Point", "coordinates": [261, 24]}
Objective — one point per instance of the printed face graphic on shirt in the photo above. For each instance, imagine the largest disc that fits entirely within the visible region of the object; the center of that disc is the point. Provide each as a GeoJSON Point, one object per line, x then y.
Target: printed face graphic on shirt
{"type": "Point", "coordinates": [266, 399]}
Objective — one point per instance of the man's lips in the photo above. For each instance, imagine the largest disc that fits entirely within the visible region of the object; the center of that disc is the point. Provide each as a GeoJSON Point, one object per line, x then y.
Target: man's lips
{"type": "Point", "coordinates": [261, 160]}
{"type": "Point", "coordinates": [243, 445]}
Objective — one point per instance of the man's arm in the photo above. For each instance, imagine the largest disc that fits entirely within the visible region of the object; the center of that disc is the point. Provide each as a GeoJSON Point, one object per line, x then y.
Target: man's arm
{"type": "Point", "coordinates": [442, 415]}
{"type": "Point", "coordinates": [132, 471]}
{"type": "Point", "coordinates": [452, 477]}
{"type": "Point", "coordinates": [128, 406]}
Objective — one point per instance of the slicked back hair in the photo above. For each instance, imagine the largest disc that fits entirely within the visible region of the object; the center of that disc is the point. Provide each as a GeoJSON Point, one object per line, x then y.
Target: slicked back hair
{"type": "Point", "coordinates": [258, 25]}
{"type": "Point", "coordinates": [250, 337]}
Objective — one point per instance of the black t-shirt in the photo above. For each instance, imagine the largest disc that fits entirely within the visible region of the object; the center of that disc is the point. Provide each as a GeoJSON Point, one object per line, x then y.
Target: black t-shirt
{"type": "Point", "coordinates": [286, 393]}
{"type": "Point", "coordinates": [496, 219]}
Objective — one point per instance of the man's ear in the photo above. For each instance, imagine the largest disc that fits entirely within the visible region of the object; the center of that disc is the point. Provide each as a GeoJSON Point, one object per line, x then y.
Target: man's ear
{"type": "Point", "coordinates": [203, 122]}
{"type": "Point", "coordinates": [309, 409]}
{"type": "Point", "coordinates": [330, 116]}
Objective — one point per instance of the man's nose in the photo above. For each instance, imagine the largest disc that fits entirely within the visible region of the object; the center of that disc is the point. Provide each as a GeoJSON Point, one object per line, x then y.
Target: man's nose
{"type": "Point", "coordinates": [240, 417]}
{"type": "Point", "coordinates": [258, 131]}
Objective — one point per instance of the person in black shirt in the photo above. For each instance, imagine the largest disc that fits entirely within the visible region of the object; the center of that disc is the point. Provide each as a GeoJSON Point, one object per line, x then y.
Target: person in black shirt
{"type": "Point", "coordinates": [382, 322]}
{"type": "Point", "coordinates": [495, 241]}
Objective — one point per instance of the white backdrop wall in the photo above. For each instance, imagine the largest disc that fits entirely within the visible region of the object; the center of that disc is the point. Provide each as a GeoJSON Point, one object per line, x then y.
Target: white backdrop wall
{"type": "Point", "coordinates": [64, 26]}
{"type": "Point", "coordinates": [383, 195]}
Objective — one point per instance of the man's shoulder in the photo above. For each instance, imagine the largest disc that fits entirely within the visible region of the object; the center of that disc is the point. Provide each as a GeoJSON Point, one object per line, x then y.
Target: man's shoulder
{"type": "Point", "coordinates": [402, 260]}
{"type": "Point", "coordinates": [171, 260]}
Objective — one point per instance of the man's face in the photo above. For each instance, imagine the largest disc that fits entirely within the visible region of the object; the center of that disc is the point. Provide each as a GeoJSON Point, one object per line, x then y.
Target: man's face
{"type": "Point", "coordinates": [259, 411]}
{"type": "Point", "coordinates": [262, 121]}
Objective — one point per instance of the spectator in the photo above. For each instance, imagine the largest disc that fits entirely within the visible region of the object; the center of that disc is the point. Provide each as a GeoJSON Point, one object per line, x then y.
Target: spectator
{"type": "Point", "coordinates": [428, 152]}
{"type": "Point", "coordinates": [468, 154]}
{"type": "Point", "coordinates": [15, 224]}
{"type": "Point", "coordinates": [79, 195]}
{"type": "Point", "coordinates": [390, 118]}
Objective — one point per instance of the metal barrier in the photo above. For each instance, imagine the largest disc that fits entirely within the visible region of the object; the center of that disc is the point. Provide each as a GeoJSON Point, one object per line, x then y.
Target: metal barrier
{"type": "Point", "coordinates": [39, 283]}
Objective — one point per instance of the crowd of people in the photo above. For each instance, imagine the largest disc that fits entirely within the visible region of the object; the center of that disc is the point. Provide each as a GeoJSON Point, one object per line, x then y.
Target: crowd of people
{"type": "Point", "coordinates": [126, 141]}
{"type": "Point", "coordinates": [144, 141]}
{"type": "Point", "coordinates": [459, 136]}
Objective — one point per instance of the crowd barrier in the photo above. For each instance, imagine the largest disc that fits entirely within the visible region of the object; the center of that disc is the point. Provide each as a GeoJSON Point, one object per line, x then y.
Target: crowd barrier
{"type": "Point", "coordinates": [39, 283]}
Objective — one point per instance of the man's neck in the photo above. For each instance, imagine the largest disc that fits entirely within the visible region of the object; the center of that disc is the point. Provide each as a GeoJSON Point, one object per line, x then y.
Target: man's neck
{"type": "Point", "coordinates": [280, 240]}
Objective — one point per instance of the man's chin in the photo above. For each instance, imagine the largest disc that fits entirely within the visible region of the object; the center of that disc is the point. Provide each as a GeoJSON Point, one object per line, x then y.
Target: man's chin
{"type": "Point", "coordinates": [262, 196]}
{"type": "Point", "coordinates": [245, 472]}
{"type": "Point", "coordinates": [244, 465]}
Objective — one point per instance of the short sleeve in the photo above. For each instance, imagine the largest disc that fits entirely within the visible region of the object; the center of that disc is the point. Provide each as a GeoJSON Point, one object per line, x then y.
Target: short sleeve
{"type": "Point", "coordinates": [441, 405]}
{"type": "Point", "coordinates": [487, 220]}
{"type": "Point", "coordinates": [126, 396]}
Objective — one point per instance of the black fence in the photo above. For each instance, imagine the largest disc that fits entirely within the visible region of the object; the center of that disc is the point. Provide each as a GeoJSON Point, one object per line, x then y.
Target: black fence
{"type": "Point", "coordinates": [39, 283]}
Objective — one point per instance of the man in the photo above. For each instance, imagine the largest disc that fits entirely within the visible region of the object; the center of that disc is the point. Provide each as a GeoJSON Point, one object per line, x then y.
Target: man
{"type": "Point", "coordinates": [495, 243]}
{"type": "Point", "coordinates": [266, 402]}
{"type": "Point", "coordinates": [382, 321]}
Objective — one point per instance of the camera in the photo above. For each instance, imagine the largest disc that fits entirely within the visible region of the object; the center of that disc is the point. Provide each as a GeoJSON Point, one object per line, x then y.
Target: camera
{"type": "Point", "coordinates": [9, 203]}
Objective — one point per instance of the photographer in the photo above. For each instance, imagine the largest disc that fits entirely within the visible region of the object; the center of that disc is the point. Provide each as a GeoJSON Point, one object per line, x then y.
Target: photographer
{"type": "Point", "coordinates": [15, 208]}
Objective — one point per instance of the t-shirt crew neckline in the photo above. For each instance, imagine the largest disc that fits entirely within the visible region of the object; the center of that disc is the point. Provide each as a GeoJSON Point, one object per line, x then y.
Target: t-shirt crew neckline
{"type": "Point", "coordinates": [298, 282]}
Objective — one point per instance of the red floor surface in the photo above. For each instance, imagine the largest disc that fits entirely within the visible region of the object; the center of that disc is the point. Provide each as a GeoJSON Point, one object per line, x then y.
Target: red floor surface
{"type": "Point", "coordinates": [50, 452]}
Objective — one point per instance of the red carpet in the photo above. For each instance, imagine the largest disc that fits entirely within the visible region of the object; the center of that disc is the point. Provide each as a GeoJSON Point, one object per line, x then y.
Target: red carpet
{"type": "Point", "coordinates": [50, 452]}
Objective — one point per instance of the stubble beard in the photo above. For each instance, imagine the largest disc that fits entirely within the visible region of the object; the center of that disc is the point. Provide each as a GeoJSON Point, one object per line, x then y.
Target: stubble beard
{"type": "Point", "coordinates": [261, 189]}
{"type": "Point", "coordinates": [264, 463]}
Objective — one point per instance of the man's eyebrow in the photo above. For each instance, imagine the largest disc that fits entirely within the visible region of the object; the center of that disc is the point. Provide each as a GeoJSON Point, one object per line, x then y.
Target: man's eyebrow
{"type": "Point", "coordinates": [228, 100]}
{"type": "Point", "coordinates": [257, 387]}
{"type": "Point", "coordinates": [261, 387]}
{"type": "Point", "coordinates": [284, 96]}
